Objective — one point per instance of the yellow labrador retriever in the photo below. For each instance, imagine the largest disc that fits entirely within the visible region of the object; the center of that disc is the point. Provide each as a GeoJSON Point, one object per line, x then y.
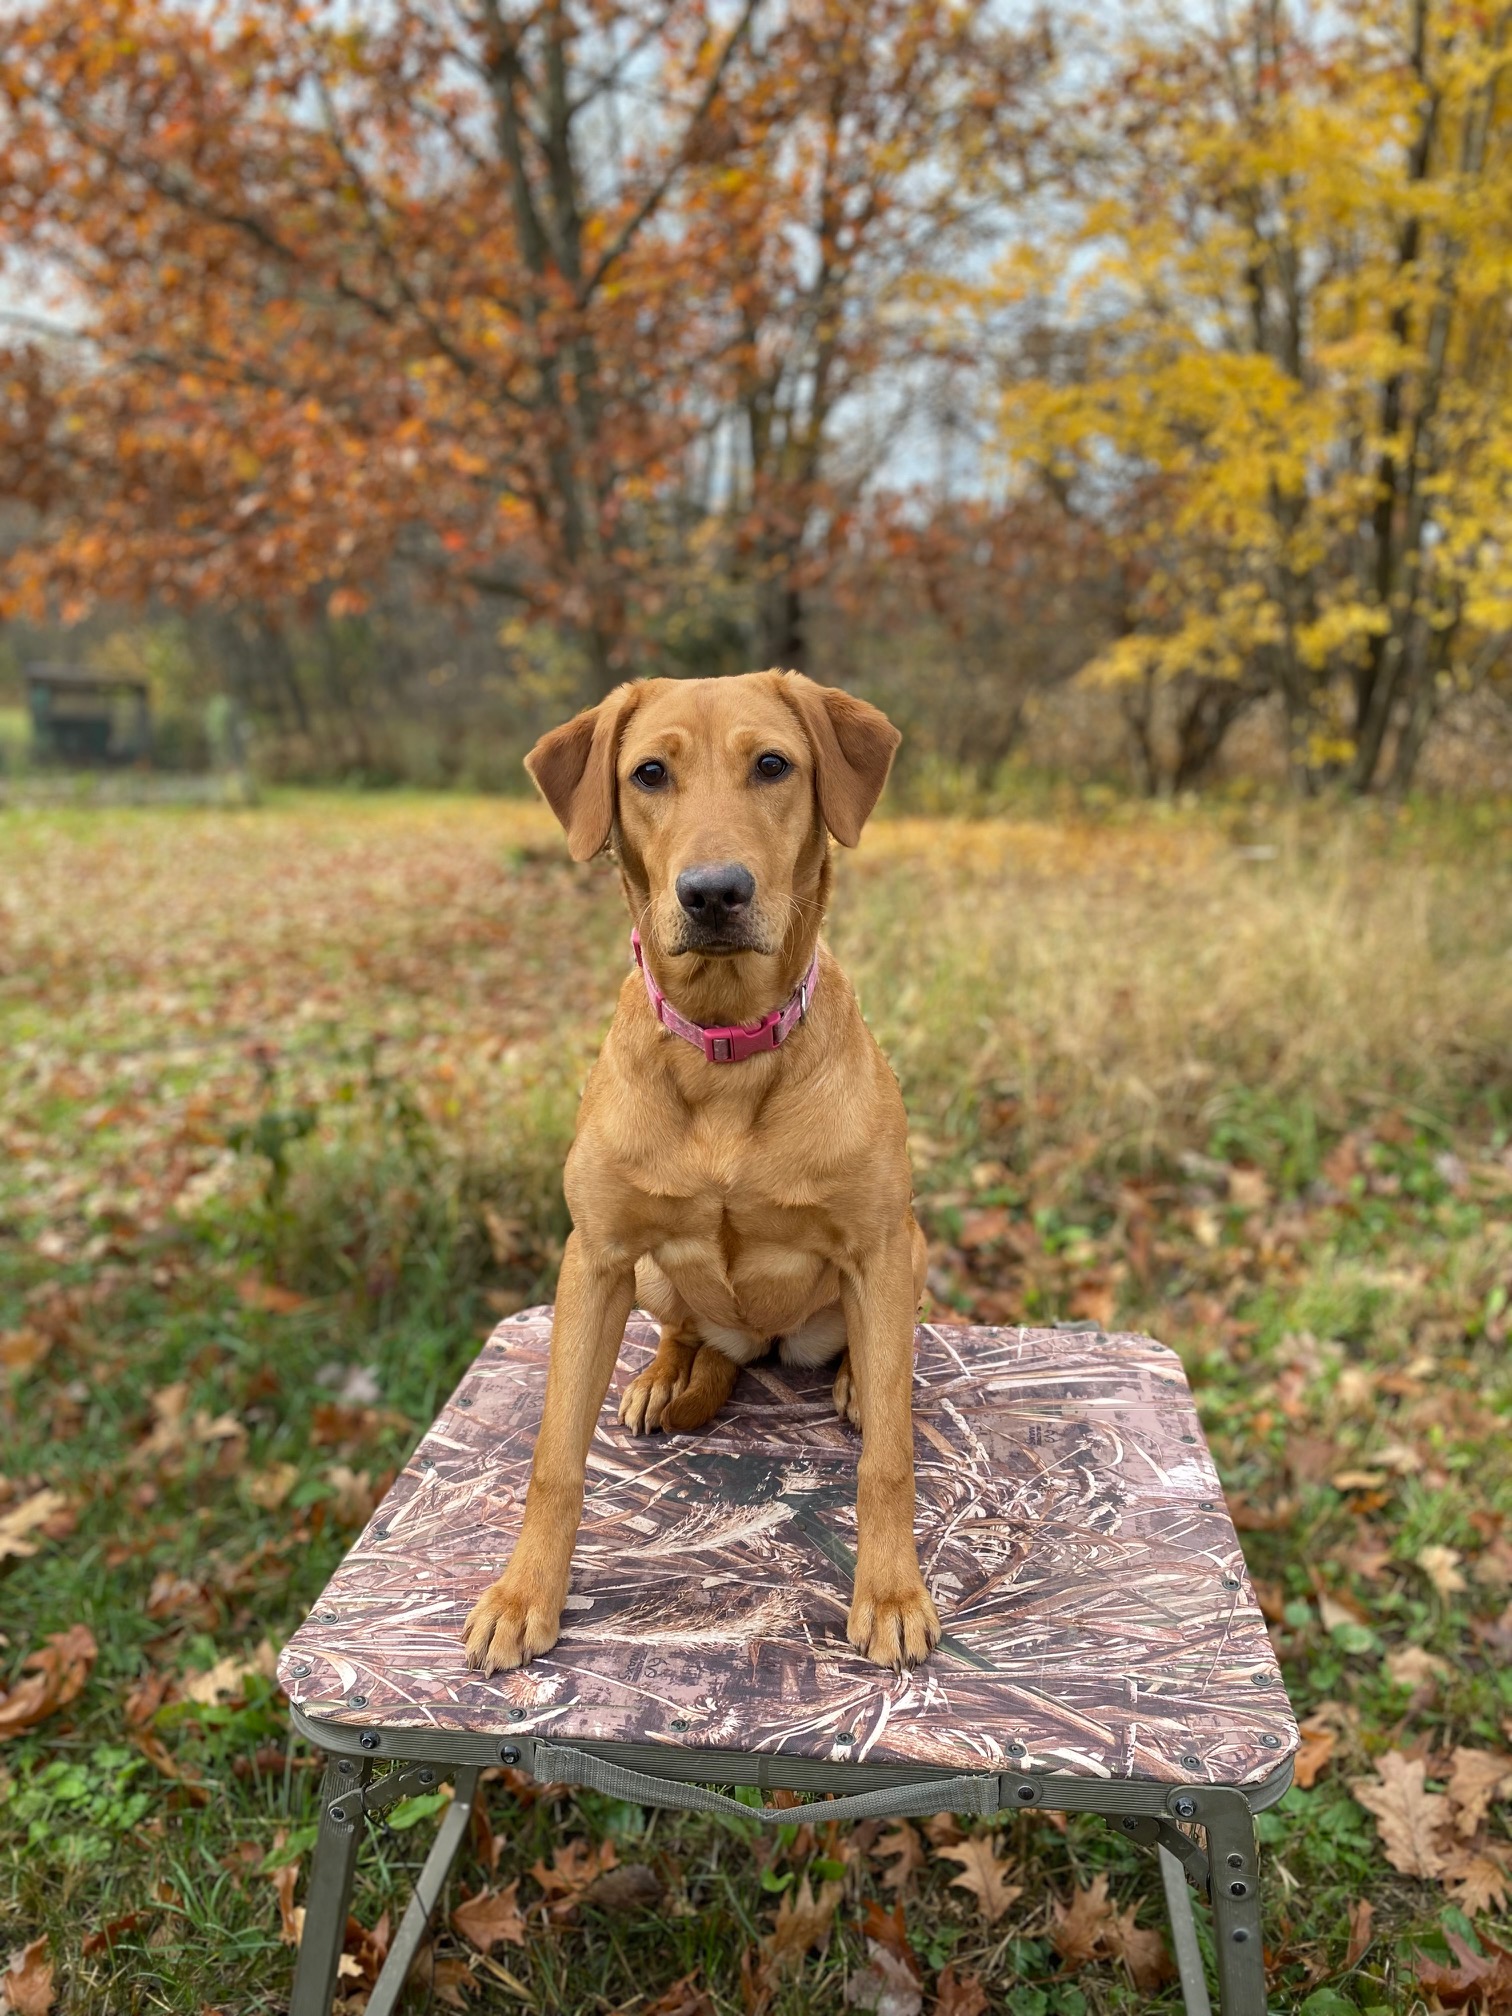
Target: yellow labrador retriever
{"type": "Point", "coordinates": [740, 1167]}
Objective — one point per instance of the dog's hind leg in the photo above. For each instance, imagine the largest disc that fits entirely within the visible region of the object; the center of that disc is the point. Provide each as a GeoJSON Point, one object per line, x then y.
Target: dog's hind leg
{"type": "Point", "coordinates": [646, 1398]}
{"type": "Point", "coordinates": [710, 1384]}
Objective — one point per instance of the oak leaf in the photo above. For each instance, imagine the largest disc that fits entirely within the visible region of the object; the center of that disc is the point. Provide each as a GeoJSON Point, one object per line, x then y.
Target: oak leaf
{"type": "Point", "coordinates": [491, 1919]}
{"type": "Point", "coordinates": [1077, 1928]}
{"type": "Point", "coordinates": [1478, 1881]}
{"type": "Point", "coordinates": [959, 1994]}
{"type": "Point", "coordinates": [27, 1983]}
{"type": "Point", "coordinates": [984, 1873]}
{"type": "Point", "coordinates": [1477, 1777]}
{"type": "Point", "coordinates": [1359, 1933]}
{"type": "Point", "coordinates": [1483, 1978]}
{"type": "Point", "coordinates": [803, 1920]}
{"type": "Point", "coordinates": [53, 1676]}
{"type": "Point", "coordinates": [1441, 1566]}
{"type": "Point", "coordinates": [19, 1522]}
{"type": "Point", "coordinates": [885, 1985]}
{"type": "Point", "coordinates": [683, 1998]}
{"type": "Point", "coordinates": [1316, 1748]}
{"type": "Point", "coordinates": [886, 1928]}
{"type": "Point", "coordinates": [1407, 1814]}
{"type": "Point", "coordinates": [902, 1847]}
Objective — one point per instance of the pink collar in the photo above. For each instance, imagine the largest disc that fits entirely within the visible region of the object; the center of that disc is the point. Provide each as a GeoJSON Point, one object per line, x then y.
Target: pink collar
{"type": "Point", "coordinates": [731, 1046]}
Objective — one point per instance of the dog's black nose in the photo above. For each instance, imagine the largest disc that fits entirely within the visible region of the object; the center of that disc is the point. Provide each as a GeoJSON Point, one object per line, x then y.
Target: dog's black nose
{"type": "Point", "coordinates": [716, 891]}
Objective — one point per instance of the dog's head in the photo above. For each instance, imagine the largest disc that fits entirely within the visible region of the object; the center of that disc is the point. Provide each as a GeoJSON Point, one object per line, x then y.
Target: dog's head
{"type": "Point", "coordinates": [717, 795]}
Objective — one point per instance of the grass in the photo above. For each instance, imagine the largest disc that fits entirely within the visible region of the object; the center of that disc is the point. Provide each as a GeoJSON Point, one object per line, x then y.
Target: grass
{"type": "Point", "coordinates": [284, 1096]}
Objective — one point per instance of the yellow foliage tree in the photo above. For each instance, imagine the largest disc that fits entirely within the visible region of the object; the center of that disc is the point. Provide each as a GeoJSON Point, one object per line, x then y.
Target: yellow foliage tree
{"type": "Point", "coordinates": [1288, 272]}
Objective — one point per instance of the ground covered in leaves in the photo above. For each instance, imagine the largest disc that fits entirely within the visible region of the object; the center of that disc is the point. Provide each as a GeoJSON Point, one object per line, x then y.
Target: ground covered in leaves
{"type": "Point", "coordinates": [284, 1095]}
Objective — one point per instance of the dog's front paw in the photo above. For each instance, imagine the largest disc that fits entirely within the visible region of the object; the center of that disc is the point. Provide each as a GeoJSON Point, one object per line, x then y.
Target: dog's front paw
{"type": "Point", "coordinates": [651, 1392]}
{"type": "Point", "coordinates": [511, 1622]}
{"type": "Point", "coordinates": [896, 1628]}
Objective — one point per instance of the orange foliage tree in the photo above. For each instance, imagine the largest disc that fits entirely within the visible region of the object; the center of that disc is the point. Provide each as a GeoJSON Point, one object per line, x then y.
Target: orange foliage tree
{"type": "Point", "coordinates": [472, 292]}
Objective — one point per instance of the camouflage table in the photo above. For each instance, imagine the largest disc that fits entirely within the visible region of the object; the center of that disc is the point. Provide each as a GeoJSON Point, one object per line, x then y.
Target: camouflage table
{"type": "Point", "coordinates": [1102, 1652]}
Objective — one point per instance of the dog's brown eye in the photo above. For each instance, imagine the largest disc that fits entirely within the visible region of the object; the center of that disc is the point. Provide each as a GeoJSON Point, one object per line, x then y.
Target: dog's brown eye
{"type": "Point", "coordinates": [772, 765]}
{"type": "Point", "coordinates": [650, 776]}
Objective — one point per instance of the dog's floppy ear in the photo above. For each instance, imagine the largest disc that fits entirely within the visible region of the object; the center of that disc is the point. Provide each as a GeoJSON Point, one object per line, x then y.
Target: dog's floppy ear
{"type": "Point", "coordinates": [853, 744]}
{"type": "Point", "coordinates": [573, 768]}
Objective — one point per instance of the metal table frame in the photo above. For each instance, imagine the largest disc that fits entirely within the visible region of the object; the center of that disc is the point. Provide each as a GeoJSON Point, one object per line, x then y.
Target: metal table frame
{"type": "Point", "coordinates": [1223, 1867]}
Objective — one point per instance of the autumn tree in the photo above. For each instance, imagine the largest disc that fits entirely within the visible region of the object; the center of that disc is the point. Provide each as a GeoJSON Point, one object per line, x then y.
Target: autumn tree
{"type": "Point", "coordinates": [869, 151]}
{"type": "Point", "coordinates": [323, 294]}
{"type": "Point", "coordinates": [1287, 268]}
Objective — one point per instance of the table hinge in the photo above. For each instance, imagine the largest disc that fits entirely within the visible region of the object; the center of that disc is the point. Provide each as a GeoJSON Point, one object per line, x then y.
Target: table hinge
{"type": "Point", "coordinates": [386, 1791]}
{"type": "Point", "coordinates": [1151, 1832]}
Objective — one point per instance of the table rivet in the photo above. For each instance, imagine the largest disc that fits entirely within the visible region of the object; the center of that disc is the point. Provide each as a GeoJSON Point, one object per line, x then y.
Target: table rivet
{"type": "Point", "coordinates": [338, 1813]}
{"type": "Point", "coordinates": [1270, 1742]}
{"type": "Point", "coordinates": [357, 1701]}
{"type": "Point", "coordinates": [1231, 1581]}
{"type": "Point", "coordinates": [1189, 1438]}
{"type": "Point", "coordinates": [1191, 1763]}
{"type": "Point", "coordinates": [464, 1399]}
{"type": "Point", "coordinates": [380, 1532]}
{"type": "Point", "coordinates": [426, 1777]}
{"type": "Point", "coordinates": [368, 1739]}
{"type": "Point", "coordinates": [517, 1714]}
{"type": "Point", "coordinates": [1027, 1794]}
{"type": "Point", "coordinates": [1241, 1936]}
{"type": "Point", "coordinates": [509, 1753]}
{"type": "Point", "coordinates": [1184, 1809]}
{"type": "Point", "coordinates": [328, 1617]}
{"type": "Point", "coordinates": [680, 1723]}
{"type": "Point", "coordinates": [845, 1736]}
{"type": "Point", "coordinates": [300, 1672]}
{"type": "Point", "coordinates": [346, 1767]}
{"type": "Point", "coordinates": [1259, 1679]}
{"type": "Point", "coordinates": [1206, 1505]}
{"type": "Point", "coordinates": [1236, 1861]}
{"type": "Point", "coordinates": [1131, 1823]}
{"type": "Point", "coordinates": [1238, 1889]}
{"type": "Point", "coordinates": [1018, 1750]}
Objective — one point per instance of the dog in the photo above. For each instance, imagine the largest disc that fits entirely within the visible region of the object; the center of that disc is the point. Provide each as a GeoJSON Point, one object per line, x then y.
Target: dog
{"type": "Point", "coordinates": [740, 1166]}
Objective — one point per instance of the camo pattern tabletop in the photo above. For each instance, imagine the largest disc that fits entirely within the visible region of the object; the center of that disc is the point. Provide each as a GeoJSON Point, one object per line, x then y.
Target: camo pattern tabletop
{"type": "Point", "coordinates": [1097, 1611]}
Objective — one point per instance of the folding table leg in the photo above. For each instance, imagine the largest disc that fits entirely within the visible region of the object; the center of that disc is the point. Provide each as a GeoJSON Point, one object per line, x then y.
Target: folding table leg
{"type": "Point", "coordinates": [1235, 1862]}
{"type": "Point", "coordinates": [1194, 1988]}
{"type": "Point", "coordinates": [428, 1887]}
{"type": "Point", "coordinates": [330, 1893]}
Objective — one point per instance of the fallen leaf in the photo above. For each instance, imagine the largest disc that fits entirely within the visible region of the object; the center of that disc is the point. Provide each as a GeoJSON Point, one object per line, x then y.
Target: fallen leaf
{"type": "Point", "coordinates": [19, 1522]}
{"type": "Point", "coordinates": [1316, 1748]}
{"type": "Point", "coordinates": [255, 1294]}
{"type": "Point", "coordinates": [290, 1920]}
{"type": "Point", "coordinates": [572, 1869]}
{"type": "Point", "coordinates": [490, 1919]}
{"type": "Point", "coordinates": [903, 1848]}
{"type": "Point", "coordinates": [1248, 1189]}
{"type": "Point", "coordinates": [885, 1985]}
{"type": "Point", "coordinates": [102, 1940]}
{"type": "Point", "coordinates": [227, 1679]}
{"type": "Point", "coordinates": [269, 1488]}
{"type": "Point", "coordinates": [1415, 1668]}
{"type": "Point", "coordinates": [1407, 1814]}
{"type": "Point", "coordinates": [1078, 1928]}
{"type": "Point", "coordinates": [451, 1979]}
{"type": "Point", "coordinates": [887, 1929]}
{"type": "Point", "coordinates": [681, 1999]}
{"type": "Point", "coordinates": [1483, 1978]}
{"type": "Point", "coordinates": [23, 1350]}
{"type": "Point", "coordinates": [354, 1499]}
{"type": "Point", "coordinates": [1441, 1566]}
{"type": "Point", "coordinates": [959, 1995]}
{"type": "Point", "coordinates": [1476, 1778]}
{"type": "Point", "coordinates": [802, 1921]}
{"type": "Point", "coordinates": [943, 1830]}
{"type": "Point", "coordinates": [1359, 1933]}
{"type": "Point", "coordinates": [1478, 1882]}
{"type": "Point", "coordinates": [983, 1872]}
{"type": "Point", "coordinates": [1141, 1949]}
{"type": "Point", "coordinates": [27, 1983]}
{"type": "Point", "coordinates": [57, 1672]}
